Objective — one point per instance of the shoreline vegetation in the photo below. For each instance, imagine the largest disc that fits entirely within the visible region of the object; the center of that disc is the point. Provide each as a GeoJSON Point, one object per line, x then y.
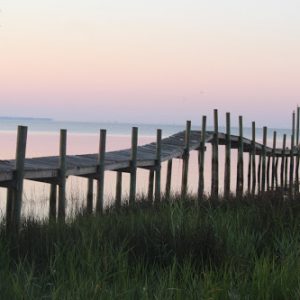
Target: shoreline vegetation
{"type": "Point", "coordinates": [238, 248]}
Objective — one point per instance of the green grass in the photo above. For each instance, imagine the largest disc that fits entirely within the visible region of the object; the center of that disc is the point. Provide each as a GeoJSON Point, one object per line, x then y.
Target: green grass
{"type": "Point", "coordinates": [235, 249]}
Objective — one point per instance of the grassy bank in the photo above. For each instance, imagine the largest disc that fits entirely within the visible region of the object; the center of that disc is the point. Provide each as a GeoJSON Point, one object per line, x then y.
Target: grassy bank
{"type": "Point", "coordinates": [238, 249]}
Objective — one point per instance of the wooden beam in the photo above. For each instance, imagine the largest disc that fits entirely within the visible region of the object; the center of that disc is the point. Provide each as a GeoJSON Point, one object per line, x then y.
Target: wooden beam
{"type": "Point", "coordinates": [100, 173]}
{"type": "Point", "coordinates": [151, 185]}
{"type": "Point", "coordinates": [62, 175]}
{"type": "Point", "coordinates": [274, 161]}
{"type": "Point", "coordinates": [282, 167]}
{"type": "Point", "coordinates": [185, 164]}
{"type": "Point", "coordinates": [263, 164]}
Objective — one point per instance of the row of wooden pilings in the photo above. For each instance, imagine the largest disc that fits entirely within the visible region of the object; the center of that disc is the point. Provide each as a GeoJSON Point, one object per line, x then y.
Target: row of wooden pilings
{"type": "Point", "coordinates": [259, 177]}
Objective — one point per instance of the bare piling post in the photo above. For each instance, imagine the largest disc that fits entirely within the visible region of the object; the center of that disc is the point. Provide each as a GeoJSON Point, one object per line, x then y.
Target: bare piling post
{"type": "Point", "coordinates": [158, 167]}
{"type": "Point", "coordinates": [263, 165]}
{"type": "Point", "coordinates": [298, 152]}
{"type": "Point", "coordinates": [249, 172]}
{"type": "Point", "coordinates": [201, 157]}
{"type": "Point", "coordinates": [100, 173]}
{"type": "Point", "coordinates": [274, 170]}
{"type": "Point", "coordinates": [268, 171]}
{"type": "Point", "coordinates": [134, 142]}
{"type": "Point", "coordinates": [240, 164]}
{"type": "Point", "coordinates": [53, 199]}
{"type": "Point", "coordinates": [62, 175]}
{"type": "Point", "coordinates": [291, 186]}
{"type": "Point", "coordinates": [282, 167]}
{"type": "Point", "coordinates": [227, 174]}
{"type": "Point", "coordinates": [90, 192]}
{"type": "Point", "coordinates": [151, 185]}
{"type": "Point", "coordinates": [253, 158]}
{"type": "Point", "coordinates": [14, 195]}
{"type": "Point", "coordinates": [185, 157]}
{"type": "Point", "coordinates": [215, 158]}
{"type": "Point", "coordinates": [259, 173]}
{"type": "Point", "coordinates": [119, 190]}
{"type": "Point", "coordinates": [169, 179]}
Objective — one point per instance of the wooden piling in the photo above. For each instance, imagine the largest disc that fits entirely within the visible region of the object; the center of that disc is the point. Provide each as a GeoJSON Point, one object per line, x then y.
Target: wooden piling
{"type": "Point", "coordinates": [15, 191]}
{"type": "Point", "coordinates": [215, 158]}
{"type": "Point", "coordinates": [89, 197]}
{"type": "Point", "coordinates": [119, 190]}
{"type": "Point", "coordinates": [253, 158]}
{"type": "Point", "coordinates": [134, 142]}
{"type": "Point", "coordinates": [240, 163]}
{"type": "Point", "coordinates": [151, 185]}
{"type": "Point", "coordinates": [169, 179]}
{"type": "Point", "coordinates": [249, 172]}
{"type": "Point", "coordinates": [298, 152]}
{"type": "Point", "coordinates": [259, 173]}
{"type": "Point", "coordinates": [282, 167]}
{"type": "Point", "coordinates": [201, 157]}
{"type": "Point", "coordinates": [268, 171]}
{"type": "Point", "coordinates": [274, 161]}
{"type": "Point", "coordinates": [100, 173]}
{"type": "Point", "coordinates": [263, 164]}
{"type": "Point", "coordinates": [227, 171]}
{"type": "Point", "coordinates": [185, 163]}
{"type": "Point", "coordinates": [62, 175]}
{"type": "Point", "coordinates": [158, 166]}
{"type": "Point", "coordinates": [53, 200]}
{"type": "Point", "coordinates": [291, 180]}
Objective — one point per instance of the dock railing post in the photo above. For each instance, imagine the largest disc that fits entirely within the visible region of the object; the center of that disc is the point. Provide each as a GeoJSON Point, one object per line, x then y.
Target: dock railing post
{"type": "Point", "coordinates": [62, 175]}
{"type": "Point", "coordinates": [158, 166]}
{"type": "Point", "coordinates": [90, 194]}
{"type": "Point", "coordinates": [227, 175]}
{"type": "Point", "coordinates": [240, 164]}
{"type": "Point", "coordinates": [282, 166]}
{"type": "Point", "coordinates": [185, 165]}
{"type": "Point", "coordinates": [201, 157]}
{"type": "Point", "coordinates": [15, 194]}
{"type": "Point", "coordinates": [169, 179]}
{"type": "Point", "coordinates": [53, 200]}
{"type": "Point", "coordinates": [263, 166]}
{"type": "Point", "coordinates": [151, 185]}
{"type": "Point", "coordinates": [134, 142]}
{"type": "Point", "coordinates": [253, 158]}
{"type": "Point", "coordinates": [215, 158]}
{"type": "Point", "coordinates": [274, 161]}
{"type": "Point", "coordinates": [100, 172]}
{"type": "Point", "coordinates": [291, 181]}
{"type": "Point", "coordinates": [119, 190]}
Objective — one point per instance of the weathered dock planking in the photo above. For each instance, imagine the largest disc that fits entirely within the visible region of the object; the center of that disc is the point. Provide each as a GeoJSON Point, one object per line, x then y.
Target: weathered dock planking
{"type": "Point", "coordinates": [55, 169]}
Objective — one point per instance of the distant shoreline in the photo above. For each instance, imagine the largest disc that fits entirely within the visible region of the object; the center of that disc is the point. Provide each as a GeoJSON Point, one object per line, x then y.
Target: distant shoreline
{"type": "Point", "coordinates": [25, 118]}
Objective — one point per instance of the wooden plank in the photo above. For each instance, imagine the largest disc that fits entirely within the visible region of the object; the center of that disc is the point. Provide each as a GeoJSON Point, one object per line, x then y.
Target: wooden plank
{"type": "Point", "coordinates": [133, 165]}
{"type": "Point", "coordinates": [215, 159]}
{"type": "Point", "coordinates": [100, 173]}
{"type": "Point", "coordinates": [158, 166]}
{"type": "Point", "coordinates": [201, 158]}
{"type": "Point", "coordinates": [227, 175]}
{"type": "Point", "coordinates": [62, 175]}
{"type": "Point", "coordinates": [185, 164]}
{"type": "Point", "coordinates": [291, 179]}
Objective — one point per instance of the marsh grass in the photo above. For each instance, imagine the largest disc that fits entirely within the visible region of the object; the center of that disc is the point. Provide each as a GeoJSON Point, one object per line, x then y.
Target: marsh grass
{"type": "Point", "coordinates": [245, 248]}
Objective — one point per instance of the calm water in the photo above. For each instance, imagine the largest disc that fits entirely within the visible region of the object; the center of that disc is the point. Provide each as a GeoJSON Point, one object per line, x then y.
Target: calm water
{"type": "Point", "coordinates": [43, 139]}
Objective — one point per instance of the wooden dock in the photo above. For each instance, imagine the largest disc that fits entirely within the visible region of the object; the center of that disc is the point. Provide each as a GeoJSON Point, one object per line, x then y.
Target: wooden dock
{"type": "Point", "coordinates": [55, 169]}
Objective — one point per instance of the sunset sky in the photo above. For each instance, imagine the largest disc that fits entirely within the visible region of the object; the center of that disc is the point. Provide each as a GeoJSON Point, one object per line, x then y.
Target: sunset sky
{"type": "Point", "coordinates": [150, 61]}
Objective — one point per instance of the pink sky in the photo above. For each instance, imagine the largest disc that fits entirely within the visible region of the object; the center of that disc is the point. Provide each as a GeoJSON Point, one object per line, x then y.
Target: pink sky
{"type": "Point", "coordinates": [145, 61]}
